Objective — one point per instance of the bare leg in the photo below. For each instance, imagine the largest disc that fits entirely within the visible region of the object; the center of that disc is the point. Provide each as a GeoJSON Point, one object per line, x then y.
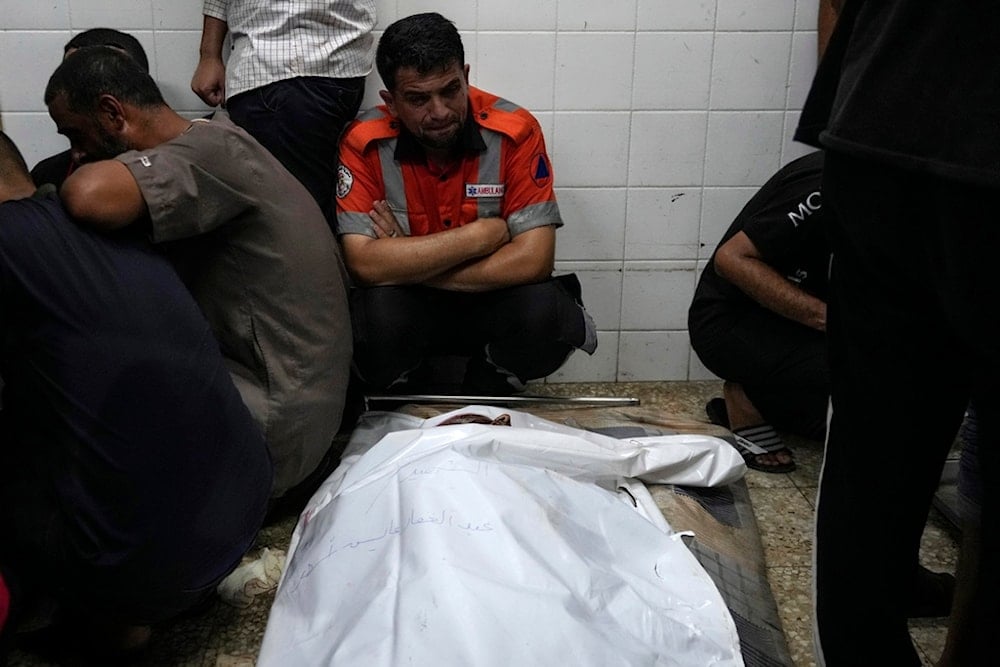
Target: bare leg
{"type": "Point", "coordinates": [742, 414]}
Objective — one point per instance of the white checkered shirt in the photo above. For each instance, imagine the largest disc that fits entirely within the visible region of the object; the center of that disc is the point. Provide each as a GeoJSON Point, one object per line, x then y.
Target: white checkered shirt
{"type": "Point", "coordinates": [273, 41]}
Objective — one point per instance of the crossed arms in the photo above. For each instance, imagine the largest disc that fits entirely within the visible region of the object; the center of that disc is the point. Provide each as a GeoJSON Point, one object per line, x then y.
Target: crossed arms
{"type": "Point", "coordinates": [475, 257]}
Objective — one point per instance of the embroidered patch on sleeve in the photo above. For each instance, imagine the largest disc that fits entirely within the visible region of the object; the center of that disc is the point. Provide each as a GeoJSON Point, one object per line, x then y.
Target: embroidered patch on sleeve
{"type": "Point", "coordinates": [477, 190]}
{"type": "Point", "coordinates": [345, 181]}
{"type": "Point", "coordinates": [541, 171]}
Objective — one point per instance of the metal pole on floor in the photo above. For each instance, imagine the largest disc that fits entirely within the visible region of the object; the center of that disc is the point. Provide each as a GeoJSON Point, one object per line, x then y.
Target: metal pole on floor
{"type": "Point", "coordinates": [613, 401]}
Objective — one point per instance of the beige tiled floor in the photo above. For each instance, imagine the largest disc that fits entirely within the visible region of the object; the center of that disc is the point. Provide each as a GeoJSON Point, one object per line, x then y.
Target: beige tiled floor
{"type": "Point", "coordinates": [227, 637]}
{"type": "Point", "coordinates": [783, 505]}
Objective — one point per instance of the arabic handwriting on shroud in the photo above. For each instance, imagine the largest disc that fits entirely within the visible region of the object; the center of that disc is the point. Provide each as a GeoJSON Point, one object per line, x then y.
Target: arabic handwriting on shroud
{"type": "Point", "coordinates": [441, 519]}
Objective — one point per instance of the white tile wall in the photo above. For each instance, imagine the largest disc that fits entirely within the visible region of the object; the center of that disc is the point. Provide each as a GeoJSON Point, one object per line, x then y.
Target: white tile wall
{"type": "Point", "coordinates": [672, 70]}
{"type": "Point", "coordinates": [22, 53]}
{"type": "Point", "coordinates": [806, 14]}
{"type": "Point", "coordinates": [386, 12]}
{"type": "Point", "coordinates": [592, 148]}
{"type": "Point", "coordinates": [527, 79]}
{"type": "Point", "coordinates": [667, 148]}
{"type": "Point", "coordinates": [462, 13]}
{"type": "Point", "coordinates": [594, 223]}
{"type": "Point", "coordinates": [755, 15]}
{"type": "Point", "coordinates": [655, 295]}
{"type": "Point", "coordinates": [176, 57]}
{"type": "Point", "coordinates": [791, 148]}
{"type": "Point", "coordinates": [510, 14]}
{"type": "Point", "coordinates": [176, 15]}
{"type": "Point", "coordinates": [122, 14]}
{"type": "Point", "coordinates": [373, 84]}
{"type": "Point", "coordinates": [677, 14]}
{"type": "Point", "coordinates": [662, 223]}
{"type": "Point", "coordinates": [720, 207]}
{"type": "Point", "coordinates": [653, 355]}
{"type": "Point", "coordinates": [802, 66]}
{"type": "Point", "coordinates": [662, 118]}
{"type": "Point", "coordinates": [21, 15]}
{"type": "Point", "coordinates": [34, 133]}
{"type": "Point", "coordinates": [744, 148]}
{"type": "Point", "coordinates": [749, 70]}
{"type": "Point", "coordinates": [585, 82]}
{"type": "Point", "coordinates": [597, 15]}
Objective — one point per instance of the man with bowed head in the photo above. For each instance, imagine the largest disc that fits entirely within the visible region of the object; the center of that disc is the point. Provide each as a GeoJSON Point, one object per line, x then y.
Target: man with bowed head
{"type": "Point", "coordinates": [54, 169]}
{"type": "Point", "coordinates": [246, 237]}
{"type": "Point", "coordinates": [447, 218]}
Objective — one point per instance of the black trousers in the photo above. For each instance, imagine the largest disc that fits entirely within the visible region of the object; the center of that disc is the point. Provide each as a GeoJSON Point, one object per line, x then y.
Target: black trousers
{"type": "Point", "coordinates": [527, 330]}
{"type": "Point", "coordinates": [780, 364]}
{"type": "Point", "coordinates": [914, 294]}
{"type": "Point", "coordinates": [300, 121]}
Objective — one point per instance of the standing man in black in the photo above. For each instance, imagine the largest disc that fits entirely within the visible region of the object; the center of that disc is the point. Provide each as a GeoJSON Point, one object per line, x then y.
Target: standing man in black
{"type": "Point", "coordinates": [906, 103]}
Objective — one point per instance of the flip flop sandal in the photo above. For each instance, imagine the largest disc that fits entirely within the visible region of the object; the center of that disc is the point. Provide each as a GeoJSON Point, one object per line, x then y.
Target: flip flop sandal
{"type": "Point", "coordinates": [754, 441]}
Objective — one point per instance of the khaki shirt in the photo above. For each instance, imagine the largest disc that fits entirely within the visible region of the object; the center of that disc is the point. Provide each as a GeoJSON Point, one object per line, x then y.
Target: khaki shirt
{"type": "Point", "coordinates": [257, 254]}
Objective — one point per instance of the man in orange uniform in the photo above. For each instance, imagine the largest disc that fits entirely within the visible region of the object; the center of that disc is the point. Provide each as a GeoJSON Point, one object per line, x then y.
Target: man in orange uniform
{"type": "Point", "coordinates": [447, 218]}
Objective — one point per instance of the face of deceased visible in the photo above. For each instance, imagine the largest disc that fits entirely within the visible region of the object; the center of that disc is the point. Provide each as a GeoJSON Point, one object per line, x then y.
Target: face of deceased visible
{"type": "Point", "coordinates": [432, 106]}
{"type": "Point", "coordinates": [472, 418]}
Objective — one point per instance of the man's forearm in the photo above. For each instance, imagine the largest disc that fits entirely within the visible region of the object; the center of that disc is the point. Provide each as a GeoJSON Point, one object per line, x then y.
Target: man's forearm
{"type": "Point", "coordinates": [414, 260]}
{"type": "Point", "coordinates": [209, 79]}
{"type": "Point", "coordinates": [522, 261]}
{"type": "Point", "coordinates": [773, 291]}
{"type": "Point", "coordinates": [213, 34]}
{"type": "Point", "coordinates": [739, 261]}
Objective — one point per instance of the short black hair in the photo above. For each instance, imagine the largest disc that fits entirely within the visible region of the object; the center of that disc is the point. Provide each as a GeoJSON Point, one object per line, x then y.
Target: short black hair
{"type": "Point", "coordinates": [12, 164]}
{"type": "Point", "coordinates": [110, 37]}
{"type": "Point", "coordinates": [102, 70]}
{"type": "Point", "coordinates": [426, 42]}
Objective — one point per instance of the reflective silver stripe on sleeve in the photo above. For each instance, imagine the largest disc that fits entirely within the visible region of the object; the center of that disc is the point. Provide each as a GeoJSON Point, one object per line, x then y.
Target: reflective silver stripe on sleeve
{"type": "Point", "coordinates": [355, 223]}
{"type": "Point", "coordinates": [371, 114]}
{"type": "Point", "coordinates": [505, 105]}
{"type": "Point", "coordinates": [535, 215]}
{"type": "Point", "coordinates": [392, 177]}
{"type": "Point", "coordinates": [489, 172]}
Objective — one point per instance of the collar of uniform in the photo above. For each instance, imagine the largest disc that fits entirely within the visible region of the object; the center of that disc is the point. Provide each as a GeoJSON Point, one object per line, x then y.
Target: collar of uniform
{"type": "Point", "coordinates": [408, 149]}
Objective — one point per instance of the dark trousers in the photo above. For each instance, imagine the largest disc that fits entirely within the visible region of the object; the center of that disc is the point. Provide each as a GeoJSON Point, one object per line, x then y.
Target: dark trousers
{"type": "Point", "coordinates": [911, 338]}
{"type": "Point", "coordinates": [300, 121]}
{"type": "Point", "coordinates": [780, 364]}
{"type": "Point", "coordinates": [40, 558]}
{"type": "Point", "coordinates": [528, 330]}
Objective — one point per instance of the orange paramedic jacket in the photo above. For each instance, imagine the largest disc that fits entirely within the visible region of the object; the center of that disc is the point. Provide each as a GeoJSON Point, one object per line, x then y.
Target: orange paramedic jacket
{"type": "Point", "coordinates": [510, 179]}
